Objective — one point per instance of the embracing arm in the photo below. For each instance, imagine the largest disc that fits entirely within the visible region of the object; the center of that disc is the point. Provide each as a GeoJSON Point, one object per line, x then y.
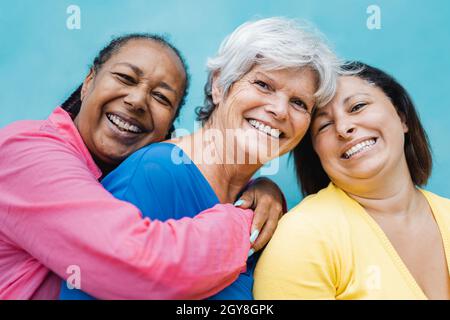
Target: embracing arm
{"type": "Point", "coordinates": [52, 207]}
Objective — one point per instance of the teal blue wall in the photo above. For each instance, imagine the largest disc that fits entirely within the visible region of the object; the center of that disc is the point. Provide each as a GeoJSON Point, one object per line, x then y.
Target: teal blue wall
{"type": "Point", "coordinates": [42, 61]}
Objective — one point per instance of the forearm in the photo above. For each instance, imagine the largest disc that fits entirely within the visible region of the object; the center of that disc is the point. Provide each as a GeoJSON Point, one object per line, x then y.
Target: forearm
{"type": "Point", "coordinates": [125, 256]}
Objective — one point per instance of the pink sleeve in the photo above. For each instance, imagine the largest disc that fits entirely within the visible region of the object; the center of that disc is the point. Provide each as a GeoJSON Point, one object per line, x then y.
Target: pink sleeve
{"type": "Point", "coordinates": [54, 208]}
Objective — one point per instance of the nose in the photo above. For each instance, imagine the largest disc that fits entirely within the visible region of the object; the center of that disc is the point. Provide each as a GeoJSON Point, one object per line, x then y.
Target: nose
{"type": "Point", "coordinates": [137, 99]}
{"type": "Point", "coordinates": [278, 108]}
{"type": "Point", "coordinates": [345, 128]}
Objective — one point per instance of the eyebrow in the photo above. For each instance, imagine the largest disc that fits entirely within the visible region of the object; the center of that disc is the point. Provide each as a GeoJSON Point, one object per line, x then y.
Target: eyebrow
{"type": "Point", "coordinates": [260, 73]}
{"type": "Point", "coordinates": [140, 73]}
{"type": "Point", "coordinates": [356, 94]}
{"type": "Point", "coordinates": [136, 69]}
{"type": "Point", "coordinates": [166, 86]}
{"type": "Point", "coordinates": [319, 113]}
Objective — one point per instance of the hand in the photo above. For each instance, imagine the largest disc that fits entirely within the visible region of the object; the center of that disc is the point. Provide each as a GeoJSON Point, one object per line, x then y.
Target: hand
{"type": "Point", "coordinates": [266, 199]}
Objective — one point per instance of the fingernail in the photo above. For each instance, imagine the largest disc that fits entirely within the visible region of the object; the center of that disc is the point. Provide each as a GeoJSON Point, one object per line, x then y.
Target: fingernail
{"type": "Point", "coordinates": [238, 203]}
{"type": "Point", "coordinates": [253, 236]}
{"type": "Point", "coordinates": [250, 252]}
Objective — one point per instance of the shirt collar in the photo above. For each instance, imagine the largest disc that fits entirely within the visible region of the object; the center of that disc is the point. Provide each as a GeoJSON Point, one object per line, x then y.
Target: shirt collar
{"type": "Point", "coordinates": [62, 120]}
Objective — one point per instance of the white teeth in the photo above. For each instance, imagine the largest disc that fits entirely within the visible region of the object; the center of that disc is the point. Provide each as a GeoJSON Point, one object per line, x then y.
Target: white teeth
{"type": "Point", "coordinates": [264, 128]}
{"type": "Point", "coordinates": [359, 147]}
{"type": "Point", "coordinates": [275, 133]}
{"type": "Point", "coordinates": [123, 125]}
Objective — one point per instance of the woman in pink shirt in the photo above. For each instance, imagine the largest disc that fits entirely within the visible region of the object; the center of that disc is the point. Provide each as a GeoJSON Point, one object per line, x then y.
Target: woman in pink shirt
{"type": "Point", "coordinates": [53, 208]}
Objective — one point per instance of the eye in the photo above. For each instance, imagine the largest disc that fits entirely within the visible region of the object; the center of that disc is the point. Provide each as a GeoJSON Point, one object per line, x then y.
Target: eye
{"type": "Point", "coordinates": [262, 85]}
{"type": "Point", "coordinates": [358, 107]}
{"type": "Point", "coordinates": [124, 78]}
{"type": "Point", "coordinates": [322, 126]}
{"type": "Point", "coordinates": [162, 98]}
{"type": "Point", "coordinates": [299, 104]}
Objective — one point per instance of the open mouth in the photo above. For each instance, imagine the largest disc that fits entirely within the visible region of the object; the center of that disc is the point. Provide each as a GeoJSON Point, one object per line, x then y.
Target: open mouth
{"type": "Point", "coordinates": [268, 130]}
{"type": "Point", "coordinates": [360, 147]}
{"type": "Point", "coordinates": [123, 124]}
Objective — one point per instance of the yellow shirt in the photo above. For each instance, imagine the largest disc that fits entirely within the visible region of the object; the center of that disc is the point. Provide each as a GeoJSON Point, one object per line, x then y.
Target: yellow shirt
{"type": "Point", "coordinates": [329, 247]}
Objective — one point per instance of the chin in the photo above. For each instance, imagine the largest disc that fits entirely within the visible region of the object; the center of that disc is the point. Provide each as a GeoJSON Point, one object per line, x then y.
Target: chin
{"type": "Point", "coordinates": [367, 172]}
{"type": "Point", "coordinates": [116, 158]}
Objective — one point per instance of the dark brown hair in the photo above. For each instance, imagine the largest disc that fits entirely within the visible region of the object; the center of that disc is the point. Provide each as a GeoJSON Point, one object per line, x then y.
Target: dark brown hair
{"type": "Point", "coordinates": [310, 173]}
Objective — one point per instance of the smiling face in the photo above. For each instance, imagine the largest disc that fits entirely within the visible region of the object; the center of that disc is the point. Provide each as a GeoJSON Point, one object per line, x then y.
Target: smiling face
{"type": "Point", "coordinates": [272, 107]}
{"type": "Point", "coordinates": [131, 101]}
{"type": "Point", "coordinates": [359, 134]}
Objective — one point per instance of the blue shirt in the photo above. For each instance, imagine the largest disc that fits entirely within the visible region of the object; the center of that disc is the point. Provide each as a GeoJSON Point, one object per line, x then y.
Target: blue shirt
{"type": "Point", "coordinates": [163, 182]}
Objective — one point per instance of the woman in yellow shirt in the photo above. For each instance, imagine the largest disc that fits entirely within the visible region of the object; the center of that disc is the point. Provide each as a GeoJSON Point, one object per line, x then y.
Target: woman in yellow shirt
{"type": "Point", "coordinates": [366, 229]}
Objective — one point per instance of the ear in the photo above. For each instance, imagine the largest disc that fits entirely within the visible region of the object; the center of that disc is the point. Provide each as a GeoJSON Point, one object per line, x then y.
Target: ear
{"type": "Point", "coordinates": [88, 81]}
{"type": "Point", "coordinates": [216, 90]}
{"type": "Point", "coordinates": [405, 127]}
{"type": "Point", "coordinates": [404, 124]}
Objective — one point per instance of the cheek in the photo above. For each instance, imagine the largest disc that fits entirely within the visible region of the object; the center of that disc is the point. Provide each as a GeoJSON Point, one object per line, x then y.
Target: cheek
{"type": "Point", "coordinates": [243, 98]}
{"type": "Point", "coordinates": [86, 123]}
{"type": "Point", "coordinates": [233, 106]}
{"type": "Point", "coordinates": [163, 119]}
{"type": "Point", "coordinates": [91, 109]}
{"type": "Point", "coordinates": [323, 148]}
{"type": "Point", "coordinates": [300, 124]}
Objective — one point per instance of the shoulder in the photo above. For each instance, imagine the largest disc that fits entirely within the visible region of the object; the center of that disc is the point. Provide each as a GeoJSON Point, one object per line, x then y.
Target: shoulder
{"type": "Point", "coordinates": [151, 180]}
{"type": "Point", "coordinates": [156, 162]}
{"type": "Point", "coordinates": [324, 210]}
{"type": "Point", "coordinates": [26, 142]}
{"type": "Point", "coordinates": [35, 135]}
{"type": "Point", "coordinates": [304, 257]}
{"type": "Point", "coordinates": [47, 144]}
{"type": "Point", "coordinates": [164, 154]}
{"type": "Point", "coordinates": [152, 165]}
{"type": "Point", "coordinates": [439, 204]}
{"type": "Point", "coordinates": [319, 225]}
{"type": "Point", "coordinates": [26, 131]}
{"type": "Point", "coordinates": [437, 198]}
{"type": "Point", "coordinates": [21, 126]}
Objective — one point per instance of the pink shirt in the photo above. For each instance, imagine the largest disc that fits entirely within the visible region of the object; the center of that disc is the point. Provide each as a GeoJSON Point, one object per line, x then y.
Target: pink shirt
{"type": "Point", "coordinates": [55, 214]}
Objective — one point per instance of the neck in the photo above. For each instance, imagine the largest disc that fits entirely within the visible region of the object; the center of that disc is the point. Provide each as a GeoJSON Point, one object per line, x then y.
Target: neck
{"type": "Point", "coordinates": [388, 194]}
{"type": "Point", "coordinates": [104, 167]}
{"type": "Point", "coordinates": [218, 162]}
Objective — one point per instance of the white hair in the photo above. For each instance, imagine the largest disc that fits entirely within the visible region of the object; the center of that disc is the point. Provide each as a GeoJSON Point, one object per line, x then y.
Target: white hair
{"type": "Point", "coordinates": [273, 43]}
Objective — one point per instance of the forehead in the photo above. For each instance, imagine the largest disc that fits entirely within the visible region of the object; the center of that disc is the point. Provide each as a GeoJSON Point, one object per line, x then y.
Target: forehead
{"type": "Point", "coordinates": [286, 74]}
{"type": "Point", "coordinates": [351, 84]}
{"type": "Point", "coordinates": [149, 55]}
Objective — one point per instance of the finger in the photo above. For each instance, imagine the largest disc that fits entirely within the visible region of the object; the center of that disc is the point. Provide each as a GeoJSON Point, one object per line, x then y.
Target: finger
{"type": "Point", "coordinates": [246, 200]}
{"type": "Point", "coordinates": [273, 215]}
{"type": "Point", "coordinates": [243, 203]}
{"type": "Point", "coordinates": [265, 235]}
{"type": "Point", "coordinates": [259, 219]}
{"type": "Point", "coordinates": [277, 210]}
{"type": "Point", "coordinates": [263, 211]}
